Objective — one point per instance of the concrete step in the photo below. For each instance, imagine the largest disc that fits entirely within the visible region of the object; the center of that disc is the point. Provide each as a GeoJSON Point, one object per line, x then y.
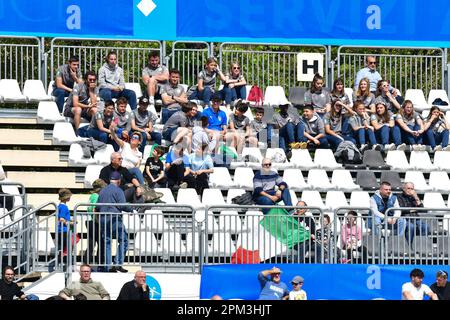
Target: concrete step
{"type": "Point", "coordinates": [45, 179]}
{"type": "Point", "coordinates": [24, 137]}
{"type": "Point", "coordinates": [32, 158]}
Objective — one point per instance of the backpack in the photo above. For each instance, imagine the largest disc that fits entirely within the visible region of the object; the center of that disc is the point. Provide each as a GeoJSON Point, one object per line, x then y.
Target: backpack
{"type": "Point", "coordinates": [348, 153]}
{"type": "Point", "coordinates": [244, 199]}
{"type": "Point", "coordinates": [256, 95]}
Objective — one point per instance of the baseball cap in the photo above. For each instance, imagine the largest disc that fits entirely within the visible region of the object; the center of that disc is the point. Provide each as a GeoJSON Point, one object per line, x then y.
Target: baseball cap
{"type": "Point", "coordinates": [144, 101]}
{"type": "Point", "coordinates": [217, 97]}
{"type": "Point", "coordinates": [115, 175]}
{"type": "Point", "coordinates": [297, 279]}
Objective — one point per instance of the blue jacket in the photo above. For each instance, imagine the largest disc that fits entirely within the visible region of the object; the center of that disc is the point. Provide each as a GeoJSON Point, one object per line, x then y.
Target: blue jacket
{"type": "Point", "coordinates": [377, 205]}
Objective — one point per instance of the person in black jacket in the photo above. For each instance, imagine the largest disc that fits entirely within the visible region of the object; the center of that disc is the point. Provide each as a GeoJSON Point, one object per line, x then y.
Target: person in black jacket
{"type": "Point", "coordinates": [441, 287]}
{"type": "Point", "coordinates": [8, 288]}
{"type": "Point", "coordinates": [414, 225]}
{"type": "Point", "coordinates": [135, 289]}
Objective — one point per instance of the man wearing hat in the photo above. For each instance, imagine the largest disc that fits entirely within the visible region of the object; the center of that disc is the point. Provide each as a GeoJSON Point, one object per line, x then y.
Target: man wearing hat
{"type": "Point", "coordinates": [111, 224]}
{"type": "Point", "coordinates": [142, 120]}
{"type": "Point", "coordinates": [297, 292]}
{"type": "Point", "coordinates": [271, 286]}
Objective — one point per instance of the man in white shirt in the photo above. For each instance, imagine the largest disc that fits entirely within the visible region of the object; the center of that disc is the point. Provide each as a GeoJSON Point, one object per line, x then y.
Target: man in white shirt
{"type": "Point", "coordinates": [416, 290]}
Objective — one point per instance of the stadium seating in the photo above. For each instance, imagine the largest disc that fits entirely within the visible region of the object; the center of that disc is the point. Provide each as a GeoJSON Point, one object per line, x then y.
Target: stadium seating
{"type": "Point", "coordinates": [325, 159]}
{"type": "Point", "coordinates": [294, 179]}
{"type": "Point", "coordinates": [343, 180]}
{"type": "Point", "coordinates": [167, 197]}
{"type": "Point", "coordinates": [243, 178]}
{"type": "Point", "coordinates": [442, 160]}
{"type": "Point", "coordinates": [418, 99]}
{"type": "Point", "coordinates": [63, 134]}
{"type": "Point", "coordinates": [393, 178]}
{"type": "Point", "coordinates": [136, 87]}
{"type": "Point", "coordinates": [374, 160]}
{"type": "Point", "coordinates": [92, 173]}
{"type": "Point", "coordinates": [232, 193]}
{"type": "Point", "coordinates": [367, 180]}
{"type": "Point", "coordinates": [418, 179]}
{"type": "Point", "coordinates": [76, 158]}
{"type": "Point", "coordinates": [10, 91]}
{"type": "Point", "coordinates": [397, 160]}
{"type": "Point", "coordinates": [318, 179]}
{"type": "Point", "coordinates": [297, 96]}
{"type": "Point", "coordinates": [275, 154]}
{"type": "Point", "coordinates": [435, 94]}
{"type": "Point", "coordinates": [275, 96]}
{"type": "Point", "coordinates": [420, 160]}
{"type": "Point", "coordinates": [302, 159]}
{"type": "Point", "coordinates": [349, 92]}
{"type": "Point", "coordinates": [34, 91]}
{"type": "Point", "coordinates": [439, 181]}
{"type": "Point", "coordinates": [48, 113]}
{"type": "Point", "coordinates": [360, 199]}
{"type": "Point", "coordinates": [221, 179]}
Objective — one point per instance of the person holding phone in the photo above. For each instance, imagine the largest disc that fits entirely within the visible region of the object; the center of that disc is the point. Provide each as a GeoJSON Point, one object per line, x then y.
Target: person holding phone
{"type": "Point", "coordinates": [437, 129]}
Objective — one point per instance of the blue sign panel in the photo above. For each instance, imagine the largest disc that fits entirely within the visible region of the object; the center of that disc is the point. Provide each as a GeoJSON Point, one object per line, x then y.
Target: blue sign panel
{"type": "Point", "coordinates": [407, 22]}
{"type": "Point", "coordinates": [69, 18]}
{"type": "Point", "coordinates": [322, 281]}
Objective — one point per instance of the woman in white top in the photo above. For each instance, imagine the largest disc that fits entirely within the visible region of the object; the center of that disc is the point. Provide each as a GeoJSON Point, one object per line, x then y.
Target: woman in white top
{"type": "Point", "coordinates": [131, 155]}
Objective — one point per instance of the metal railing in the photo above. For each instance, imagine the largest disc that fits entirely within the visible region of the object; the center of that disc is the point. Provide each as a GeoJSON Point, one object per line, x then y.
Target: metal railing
{"type": "Point", "coordinates": [20, 60]}
{"type": "Point", "coordinates": [20, 241]}
{"type": "Point", "coordinates": [269, 67]}
{"type": "Point", "coordinates": [189, 58]}
{"type": "Point", "coordinates": [132, 59]}
{"type": "Point", "coordinates": [12, 194]}
{"type": "Point", "coordinates": [151, 236]}
{"type": "Point", "coordinates": [414, 68]}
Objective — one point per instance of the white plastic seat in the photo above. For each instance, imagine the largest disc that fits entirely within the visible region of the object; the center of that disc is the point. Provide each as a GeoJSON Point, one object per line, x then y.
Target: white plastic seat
{"type": "Point", "coordinates": [397, 160]}
{"type": "Point", "coordinates": [294, 179]}
{"type": "Point", "coordinates": [103, 156]}
{"type": "Point", "coordinates": [6, 219]}
{"type": "Point", "coordinates": [294, 197]}
{"type": "Point", "coordinates": [50, 89]}
{"type": "Point", "coordinates": [313, 199]}
{"type": "Point", "coordinates": [425, 114]}
{"type": "Point", "coordinates": [192, 244]}
{"type": "Point", "coordinates": [232, 193]}
{"type": "Point", "coordinates": [417, 98]}
{"type": "Point", "coordinates": [318, 179]}
{"type": "Point", "coordinates": [10, 91]}
{"type": "Point", "coordinates": [92, 173]}
{"type": "Point", "coordinates": [222, 244]}
{"type": "Point", "coordinates": [272, 152]}
{"type": "Point", "coordinates": [154, 221]}
{"type": "Point", "coordinates": [243, 178]}
{"type": "Point", "coordinates": [136, 87]}
{"type": "Point", "coordinates": [167, 195]}
{"type": "Point", "coordinates": [439, 181]}
{"type": "Point", "coordinates": [172, 245]}
{"type": "Point", "coordinates": [220, 178]}
{"type": "Point", "coordinates": [211, 225]}
{"type": "Point", "coordinates": [76, 158]}
{"type": "Point", "coordinates": [274, 96]}
{"type": "Point", "coordinates": [442, 160]}
{"type": "Point", "coordinates": [45, 244]}
{"type": "Point", "coordinates": [48, 112]}
{"type": "Point", "coordinates": [63, 134]}
{"type": "Point", "coordinates": [189, 197]}
{"type": "Point", "coordinates": [145, 243]}
{"type": "Point", "coordinates": [335, 199]}
{"type": "Point", "coordinates": [433, 200]}
{"type": "Point", "coordinates": [342, 179]}
{"type": "Point", "coordinates": [349, 92]}
{"type": "Point", "coordinates": [132, 222]}
{"type": "Point", "coordinates": [360, 199]}
{"type": "Point", "coordinates": [212, 197]}
{"type": "Point", "coordinates": [247, 151]}
{"type": "Point", "coordinates": [438, 93]}
{"type": "Point", "coordinates": [324, 158]}
{"type": "Point", "coordinates": [302, 159]}
{"type": "Point", "coordinates": [420, 160]}
{"type": "Point", "coordinates": [34, 90]}
{"type": "Point", "coordinates": [229, 221]}
{"type": "Point", "coordinates": [418, 179]}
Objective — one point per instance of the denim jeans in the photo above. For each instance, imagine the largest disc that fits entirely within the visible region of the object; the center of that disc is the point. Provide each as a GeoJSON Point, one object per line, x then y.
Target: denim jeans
{"type": "Point", "coordinates": [138, 174]}
{"type": "Point", "coordinates": [398, 228]}
{"type": "Point", "coordinates": [102, 136]}
{"type": "Point", "coordinates": [408, 138]}
{"type": "Point", "coordinates": [286, 136]}
{"type": "Point", "coordinates": [437, 138]}
{"type": "Point", "coordinates": [385, 135]}
{"type": "Point", "coordinates": [415, 226]}
{"type": "Point", "coordinates": [112, 228]}
{"type": "Point", "coordinates": [167, 113]}
{"type": "Point", "coordinates": [59, 95]}
{"type": "Point", "coordinates": [264, 201]}
{"type": "Point", "coordinates": [335, 141]}
{"type": "Point", "coordinates": [362, 135]}
{"type": "Point", "coordinates": [130, 95]}
{"type": "Point", "coordinates": [204, 95]}
{"type": "Point", "coordinates": [231, 94]}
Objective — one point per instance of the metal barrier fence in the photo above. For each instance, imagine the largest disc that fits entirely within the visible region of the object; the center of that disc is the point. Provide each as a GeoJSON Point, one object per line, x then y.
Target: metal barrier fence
{"type": "Point", "coordinates": [20, 60]}
{"type": "Point", "coordinates": [150, 237]}
{"type": "Point", "coordinates": [421, 68]}
{"type": "Point", "coordinates": [21, 241]}
{"type": "Point", "coordinates": [189, 58]}
{"type": "Point", "coordinates": [12, 194]}
{"type": "Point", "coordinates": [268, 67]}
{"type": "Point", "coordinates": [132, 59]}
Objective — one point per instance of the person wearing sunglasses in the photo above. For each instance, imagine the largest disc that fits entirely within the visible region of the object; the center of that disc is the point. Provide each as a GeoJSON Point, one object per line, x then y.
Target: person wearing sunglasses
{"type": "Point", "coordinates": [297, 293]}
{"type": "Point", "coordinates": [441, 287]}
{"type": "Point", "coordinates": [235, 85]}
{"type": "Point", "coordinates": [269, 188]}
{"type": "Point", "coordinates": [369, 72]}
{"type": "Point", "coordinates": [272, 288]}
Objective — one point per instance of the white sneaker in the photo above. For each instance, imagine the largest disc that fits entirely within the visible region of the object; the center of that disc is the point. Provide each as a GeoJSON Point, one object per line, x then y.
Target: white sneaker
{"type": "Point", "coordinates": [151, 100]}
{"type": "Point", "coordinates": [363, 147]}
{"type": "Point", "coordinates": [401, 147]}
{"type": "Point", "coordinates": [389, 147]}
{"type": "Point", "coordinates": [447, 148]}
{"type": "Point", "coordinates": [377, 147]}
{"type": "Point", "coordinates": [438, 148]}
{"type": "Point", "coordinates": [422, 147]}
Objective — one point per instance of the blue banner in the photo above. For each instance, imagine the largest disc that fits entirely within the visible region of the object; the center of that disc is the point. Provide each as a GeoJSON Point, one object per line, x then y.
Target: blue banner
{"type": "Point", "coordinates": [69, 18]}
{"type": "Point", "coordinates": [329, 282]}
{"type": "Point", "coordinates": [399, 22]}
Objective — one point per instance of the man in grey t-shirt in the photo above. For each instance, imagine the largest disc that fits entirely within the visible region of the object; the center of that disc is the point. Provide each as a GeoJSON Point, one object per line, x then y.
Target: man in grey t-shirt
{"type": "Point", "coordinates": [173, 96]}
{"type": "Point", "coordinates": [142, 120]}
{"type": "Point", "coordinates": [314, 128]}
{"type": "Point", "coordinates": [67, 76]}
{"type": "Point", "coordinates": [154, 75]}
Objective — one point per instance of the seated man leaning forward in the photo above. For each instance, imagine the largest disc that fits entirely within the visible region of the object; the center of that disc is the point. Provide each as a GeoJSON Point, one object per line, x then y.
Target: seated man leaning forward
{"type": "Point", "coordinates": [269, 188]}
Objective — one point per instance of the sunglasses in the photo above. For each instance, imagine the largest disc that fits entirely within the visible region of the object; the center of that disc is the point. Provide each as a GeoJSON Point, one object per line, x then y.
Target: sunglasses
{"type": "Point", "coordinates": [236, 68]}
{"type": "Point", "coordinates": [266, 164]}
{"type": "Point", "coordinates": [372, 62]}
{"type": "Point", "coordinates": [276, 274]}
{"type": "Point", "coordinates": [135, 137]}
{"type": "Point", "coordinates": [92, 80]}
{"type": "Point", "coordinates": [296, 284]}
